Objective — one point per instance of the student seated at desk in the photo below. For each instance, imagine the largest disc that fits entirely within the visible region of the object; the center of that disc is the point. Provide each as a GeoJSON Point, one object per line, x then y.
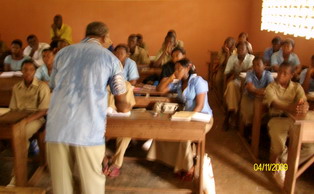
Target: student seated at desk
{"type": "Point", "coordinates": [44, 71]}
{"type": "Point", "coordinates": [192, 91]}
{"type": "Point", "coordinates": [141, 43]}
{"type": "Point", "coordinates": [236, 64]}
{"type": "Point", "coordinates": [307, 77]}
{"type": "Point", "coordinates": [286, 54]}
{"type": "Point", "coordinates": [130, 71]}
{"type": "Point", "coordinates": [164, 54]}
{"type": "Point", "coordinates": [14, 61]}
{"type": "Point", "coordinates": [137, 54]}
{"type": "Point", "coordinates": [177, 54]}
{"type": "Point", "coordinates": [227, 49]}
{"type": "Point", "coordinates": [284, 96]}
{"type": "Point", "coordinates": [276, 45]}
{"type": "Point", "coordinates": [255, 83]}
{"type": "Point", "coordinates": [34, 49]}
{"type": "Point", "coordinates": [30, 94]}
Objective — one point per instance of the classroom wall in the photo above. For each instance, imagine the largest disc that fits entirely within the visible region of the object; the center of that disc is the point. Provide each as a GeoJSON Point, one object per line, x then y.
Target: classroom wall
{"type": "Point", "coordinates": [201, 24]}
{"type": "Point", "coordinates": [262, 39]}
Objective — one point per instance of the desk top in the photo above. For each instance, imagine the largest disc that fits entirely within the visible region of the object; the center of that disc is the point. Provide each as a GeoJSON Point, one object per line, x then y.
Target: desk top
{"type": "Point", "coordinates": [144, 125]}
{"type": "Point", "coordinates": [299, 118]}
{"type": "Point", "coordinates": [147, 89]}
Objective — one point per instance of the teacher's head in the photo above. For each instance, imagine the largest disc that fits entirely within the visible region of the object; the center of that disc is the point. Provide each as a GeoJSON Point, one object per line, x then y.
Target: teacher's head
{"type": "Point", "coordinates": [97, 30]}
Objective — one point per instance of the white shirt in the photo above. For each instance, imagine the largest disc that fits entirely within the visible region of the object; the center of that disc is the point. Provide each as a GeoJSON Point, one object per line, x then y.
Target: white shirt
{"type": "Point", "coordinates": [37, 57]}
{"type": "Point", "coordinates": [234, 63]}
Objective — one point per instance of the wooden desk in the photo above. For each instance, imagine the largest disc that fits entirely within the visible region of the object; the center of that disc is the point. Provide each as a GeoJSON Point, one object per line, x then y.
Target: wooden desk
{"type": "Point", "coordinates": [12, 127]}
{"type": "Point", "coordinates": [143, 125]}
{"type": "Point", "coordinates": [6, 86]}
{"type": "Point", "coordinates": [303, 133]}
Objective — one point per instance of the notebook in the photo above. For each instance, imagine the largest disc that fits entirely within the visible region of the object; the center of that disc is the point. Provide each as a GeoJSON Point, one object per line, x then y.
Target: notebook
{"type": "Point", "coordinates": [191, 116]}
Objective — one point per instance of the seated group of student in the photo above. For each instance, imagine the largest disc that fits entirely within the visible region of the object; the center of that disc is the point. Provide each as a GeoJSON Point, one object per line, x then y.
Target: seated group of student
{"type": "Point", "coordinates": [281, 95]}
{"type": "Point", "coordinates": [36, 64]}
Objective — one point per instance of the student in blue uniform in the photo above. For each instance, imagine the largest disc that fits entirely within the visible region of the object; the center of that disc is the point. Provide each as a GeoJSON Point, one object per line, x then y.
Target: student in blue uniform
{"type": "Point", "coordinates": [192, 91]}
{"type": "Point", "coordinates": [130, 71]}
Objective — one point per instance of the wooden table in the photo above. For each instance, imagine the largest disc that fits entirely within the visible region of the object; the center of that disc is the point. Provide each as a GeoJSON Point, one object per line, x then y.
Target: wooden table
{"type": "Point", "coordinates": [303, 133]}
{"type": "Point", "coordinates": [12, 127]}
{"type": "Point", "coordinates": [143, 125]}
{"type": "Point", "coordinates": [6, 86]}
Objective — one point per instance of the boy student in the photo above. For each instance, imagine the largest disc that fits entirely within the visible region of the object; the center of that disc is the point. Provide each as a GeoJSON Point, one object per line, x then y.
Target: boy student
{"type": "Point", "coordinates": [34, 49]}
{"type": "Point", "coordinates": [137, 54]}
{"type": "Point", "coordinates": [307, 77]}
{"type": "Point", "coordinates": [43, 72]}
{"type": "Point", "coordinates": [286, 54]}
{"type": "Point", "coordinates": [30, 94]}
{"type": "Point", "coordinates": [177, 54]}
{"type": "Point", "coordinates": [236, 64]}
{"type": "Point", "coordinates": [276, 44]}
{"type": "Point", "coordinates": [130, 71]}
{"type": "Point", "coordinates": [255, 83]}
{"type": "Point", "coordinates": [14, 61]}
{"type": "Point", "coordinates": [284, 96]}
{"type": "Point", "coordinates": [164, 54]}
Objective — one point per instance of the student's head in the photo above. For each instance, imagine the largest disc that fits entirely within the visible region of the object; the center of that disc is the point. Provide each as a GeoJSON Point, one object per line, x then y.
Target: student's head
{"type": "Point", "coordinates": [132, 41]}
{"type": "Point", "coordinates": [57, 20]}
{"type": "Point", "coordinates": [242, 48]}
{"type": "Point", "coordinates": [28, 69]}
{"type": "Point", "coordinates": [177, 54]}
{"type": "Point", "coordinates": [32, 41]}
{"type": "Point", "coordinates": [172, 33]}
{"type": "Point", "coordinates": [258, 65]}
{"type": "Point", "coordinates": [48, 57]}
{"type": "Point", "coordinates": [139, 38]}
{"type": "Point", "coordinates": [62, 43]}
{"type": "Point", "coordinates": [243, 36]}
{"type": "Point", "coordinates": [287, 46]}
{"type": "Point", "coordinates": [121, 51]}
{"type": "Point", "coordinates": [54, 46]}
{"type": "Point", "coordinates": [276, 43]}
{"type": "Point", "coordinates": [16, 46]}
{"type": "Point", "coordinates": [183, 69]}
{"type": "Point", "coordinates": [97, 30]}
{"type": "Point", "coordinates": [170, 39]}
{"type": "Point", "coordinates": [230, 43]}
{"type": "Point", "coordinates": [285, 73]}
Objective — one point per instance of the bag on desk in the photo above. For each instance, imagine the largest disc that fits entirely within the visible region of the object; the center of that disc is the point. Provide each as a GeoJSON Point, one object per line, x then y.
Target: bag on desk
{"type": "Point", "coordinates": [208, 176]}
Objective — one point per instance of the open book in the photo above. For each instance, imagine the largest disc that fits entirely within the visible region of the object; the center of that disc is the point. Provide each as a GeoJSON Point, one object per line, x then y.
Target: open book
{"type": "Point", "coordinates": [113, 113]}
{"type": "Point", "coordinates": [11, 74]}
{"type": "Point", "coordinates": [191, 116]}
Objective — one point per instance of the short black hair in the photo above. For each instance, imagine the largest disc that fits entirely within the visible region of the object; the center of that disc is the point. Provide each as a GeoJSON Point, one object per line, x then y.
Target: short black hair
{"type": "Point", "coordinates": [18, 42]}
{"type": "Point", "coordinates": [230, 39]}
{"type": "Point", "coordinates": [185, 62]}
{"type": "Point", "coordinates": [139, 36]}
{"type": "Point", "coordinates": [258, 58]}
{"type": "Point", "coordinates": [178, 48]}
{"type": "Point", "coordinates": [276, 40]}
{"type": "Point", "coordinates": [288, 41]}
{"type": "Point", "coordinates": [54, 44]}
{"type": "Point", "coordinates": [245, 43]}
{"type": "Point", "coordinates": [132, 36]}
{"type": "Point", "coordinates": [286, 64]}
{"type": "Point", "coordinates": [47, 50]}
{"type": "Point", "coordinates": [98, 29]}
{"type": "Point", "coordinates": [123, 46]}
{"type": "Point", "coordinates": [29, 61]}
{"type": "Point", "coordinates": [31, 37]}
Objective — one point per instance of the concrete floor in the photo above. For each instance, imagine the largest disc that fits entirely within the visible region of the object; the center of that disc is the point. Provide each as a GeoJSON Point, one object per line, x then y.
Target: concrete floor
{"type": "Point", "coordinates": [232, 165]}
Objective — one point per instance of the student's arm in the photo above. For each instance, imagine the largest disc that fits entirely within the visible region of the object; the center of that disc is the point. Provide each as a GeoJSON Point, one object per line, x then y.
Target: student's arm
{"type": "Point", "coordinates": [7, 67]}
{"type": "Point", "coordinates": [199, 102]}
{"type": "Point", "coordinates": [36, 115]}
{"type": "Point", "coordinates": [118, 89]}
{"type": "Point", "coordinates": [133, 73]}
{"type": "Point", "coordinates": [160, 57]}
{"type": "Point", "coordinates": [7, 61]}
{"type": "Point", "coordinates": [133, 82]}
{"type": "Point", "coordinates": [257, 91]}
{"type": "Point", "coordinates": [164, 84]}
{"type": "Point", "coordinates": [307, 79]}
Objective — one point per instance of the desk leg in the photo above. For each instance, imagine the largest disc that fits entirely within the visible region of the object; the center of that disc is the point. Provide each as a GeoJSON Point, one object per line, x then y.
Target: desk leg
{"type": "Point", "coordinates": [20, 153]}
{"type": "Point", "coordinates": [256, 128]}
{"type": "Point", "coordinates": [293, 159]}
{"type": "Point", "coordinates": [202, 153]}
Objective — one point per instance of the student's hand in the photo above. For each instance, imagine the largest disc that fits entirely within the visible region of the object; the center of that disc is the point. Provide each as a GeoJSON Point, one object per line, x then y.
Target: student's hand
{"type": "Point", "coordinates": [169, 48]}
{"type": "Point", "coordinates": [35, 48]}
{"type": "Point", "coordinates": [260, 92]}
{"type": "Point", "coordinates": [226, 50]}
{"type": "Point", "coordinates": [54, 27]}
{"type": "Point", "coordinates": [302, 107]}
